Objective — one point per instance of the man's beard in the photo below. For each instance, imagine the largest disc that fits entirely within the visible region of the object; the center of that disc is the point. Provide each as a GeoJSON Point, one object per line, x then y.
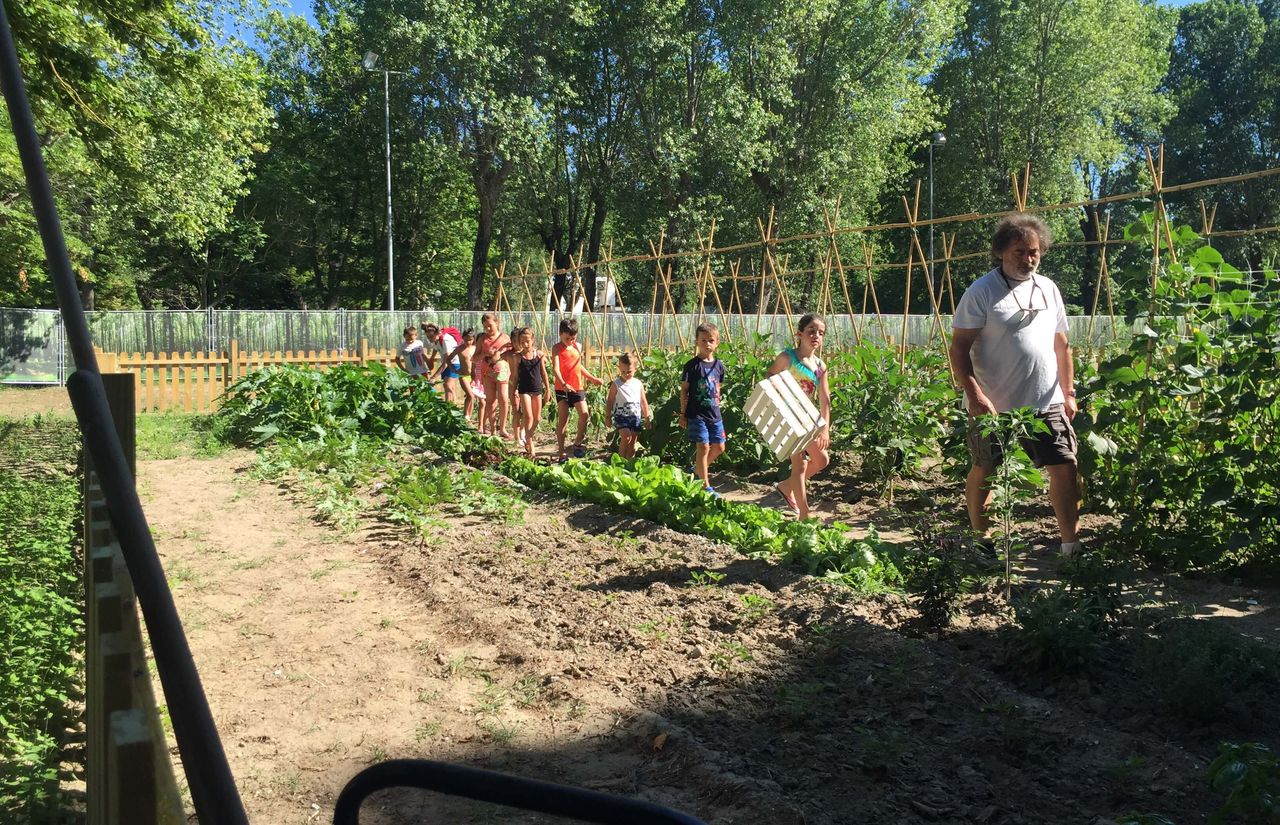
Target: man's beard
{"type": "Point", "coordinates": [1017, 274]}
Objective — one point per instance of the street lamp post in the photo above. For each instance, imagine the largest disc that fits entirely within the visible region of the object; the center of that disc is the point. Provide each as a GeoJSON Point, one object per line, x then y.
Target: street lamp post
{"type": "Point", "coordinates": [369, 62]}
{"type": "Point", "coordinates": [936, 139]}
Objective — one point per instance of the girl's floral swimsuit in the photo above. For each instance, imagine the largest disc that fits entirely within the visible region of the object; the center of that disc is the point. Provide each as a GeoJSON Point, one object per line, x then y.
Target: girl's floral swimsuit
{"type": "Point", "coordinates": [805, 376]}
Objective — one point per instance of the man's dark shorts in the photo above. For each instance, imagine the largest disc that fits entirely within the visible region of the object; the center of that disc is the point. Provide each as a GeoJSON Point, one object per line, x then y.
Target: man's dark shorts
{"type": "Point", "coordinates": [1057, 446]}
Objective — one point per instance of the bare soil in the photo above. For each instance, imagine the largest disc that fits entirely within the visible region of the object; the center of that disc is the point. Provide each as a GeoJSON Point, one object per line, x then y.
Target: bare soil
{"type": "Point", "coordinates": [22, 401]}
{"type": "Point", "coordinates": [575, 647]}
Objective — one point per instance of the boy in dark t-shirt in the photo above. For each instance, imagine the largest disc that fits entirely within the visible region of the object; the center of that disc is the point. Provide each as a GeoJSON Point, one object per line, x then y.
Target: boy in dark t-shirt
{"type": "Point", "coordinates": [700, 402]}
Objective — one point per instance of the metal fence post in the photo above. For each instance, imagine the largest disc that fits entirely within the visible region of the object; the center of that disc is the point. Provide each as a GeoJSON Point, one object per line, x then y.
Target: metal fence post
{"type": "Point", "coordinates": [62, 350]}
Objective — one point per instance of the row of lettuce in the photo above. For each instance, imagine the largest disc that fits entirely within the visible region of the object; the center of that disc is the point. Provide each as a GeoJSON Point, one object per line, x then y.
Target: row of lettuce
{"type": "Point", "coordinates": [1177, 427]}
{"type": "Point", "coordinates": [40, 612]}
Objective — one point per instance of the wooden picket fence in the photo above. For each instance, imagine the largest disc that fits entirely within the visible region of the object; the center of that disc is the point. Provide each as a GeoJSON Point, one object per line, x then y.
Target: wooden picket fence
{"type": "Point", "coordinates": [129, 778]}
{"type": "Point", "coordinates": [193, 382]}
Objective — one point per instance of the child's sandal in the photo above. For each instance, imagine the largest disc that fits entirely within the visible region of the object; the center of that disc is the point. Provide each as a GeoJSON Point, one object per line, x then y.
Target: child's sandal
{"type": "Point", "coordinates": [790, 500]}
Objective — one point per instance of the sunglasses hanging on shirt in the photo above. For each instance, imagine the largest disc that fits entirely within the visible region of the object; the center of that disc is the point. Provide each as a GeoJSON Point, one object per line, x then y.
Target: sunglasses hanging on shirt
{"type": "Point", "coordinates": [1026, 314]}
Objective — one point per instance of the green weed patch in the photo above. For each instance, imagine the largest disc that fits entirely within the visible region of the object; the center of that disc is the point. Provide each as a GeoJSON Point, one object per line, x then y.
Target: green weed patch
{"type": "Point", "coordinates": [40, 609]}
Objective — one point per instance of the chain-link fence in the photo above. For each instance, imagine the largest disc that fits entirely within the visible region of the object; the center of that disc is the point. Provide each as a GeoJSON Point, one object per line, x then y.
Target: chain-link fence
{"type": "Point", "coordinates": [33, 351]}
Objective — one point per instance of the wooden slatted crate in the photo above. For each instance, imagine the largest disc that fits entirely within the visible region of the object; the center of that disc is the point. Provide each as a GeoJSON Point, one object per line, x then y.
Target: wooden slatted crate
{"type": "Point", "coordinates": [783, 415]}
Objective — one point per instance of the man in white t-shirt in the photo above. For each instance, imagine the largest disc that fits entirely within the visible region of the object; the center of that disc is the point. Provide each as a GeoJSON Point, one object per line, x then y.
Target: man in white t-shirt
{"type": "Point", "coordinates": [1009, 350]}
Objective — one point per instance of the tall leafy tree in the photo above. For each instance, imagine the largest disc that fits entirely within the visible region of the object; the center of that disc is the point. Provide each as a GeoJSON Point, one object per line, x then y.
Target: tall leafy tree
{"type": "Point", "coordinates": [673, 67]}
{"type": "Point", "coordinates": [481, 68]}
{"type": "Point", "coordinates": [828, 98]}
{"type": "Point", "coordinates": [826, 94]}
{"type": "Point", "coordinates": [319, 201]}
{"type": "Point", "coordinates": [1225, 80]}
{"type": "Point", "coordinates": [568, 180]}
{"type": "Point", "coordinates": [149, 123]}
{"type": "Point", "coordinates": [1064, 85]}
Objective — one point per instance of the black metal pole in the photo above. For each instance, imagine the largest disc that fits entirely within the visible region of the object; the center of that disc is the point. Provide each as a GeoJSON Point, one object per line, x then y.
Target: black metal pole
{"type": "Point", "coordinates": [213, 789]}
{"type": "Point", "coordinates": [501, 789]}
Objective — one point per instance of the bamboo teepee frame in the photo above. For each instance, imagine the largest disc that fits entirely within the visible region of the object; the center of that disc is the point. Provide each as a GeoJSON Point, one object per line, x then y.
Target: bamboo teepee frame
{"type": "Point", "coordinates": [762, 269]}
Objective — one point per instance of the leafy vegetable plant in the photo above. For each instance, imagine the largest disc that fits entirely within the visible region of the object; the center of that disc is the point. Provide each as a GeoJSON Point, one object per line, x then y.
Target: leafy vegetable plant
{"type": "Point", "coordinates": [1179, 434]}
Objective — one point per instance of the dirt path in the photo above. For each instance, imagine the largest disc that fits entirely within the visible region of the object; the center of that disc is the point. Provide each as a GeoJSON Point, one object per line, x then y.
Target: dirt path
{"type": "Point", "coordinates": [311, 658]}
{"type": "Point", "coordinates": [317, 662]}
{"type": "Point", "coordinates": [572, 646]}
{"type": "Point", "coordinates": [19, 402]}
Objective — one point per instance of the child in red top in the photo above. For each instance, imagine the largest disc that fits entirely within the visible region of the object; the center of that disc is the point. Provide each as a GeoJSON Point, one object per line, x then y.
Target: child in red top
{"type": "Point", "coordinates": [567, 361]}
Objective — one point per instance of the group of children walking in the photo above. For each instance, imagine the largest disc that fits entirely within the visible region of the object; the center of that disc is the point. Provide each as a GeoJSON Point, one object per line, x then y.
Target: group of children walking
{"type": "Point", "coordinates": [495, 375]}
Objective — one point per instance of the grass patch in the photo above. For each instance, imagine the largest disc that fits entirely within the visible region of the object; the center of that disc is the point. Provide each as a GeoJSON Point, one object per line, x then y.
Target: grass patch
{"type": "Point", "coordinates": [178, 435]}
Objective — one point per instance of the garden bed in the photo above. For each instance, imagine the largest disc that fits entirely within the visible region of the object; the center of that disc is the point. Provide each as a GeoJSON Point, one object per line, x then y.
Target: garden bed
{"type": "Point", "coordinates": [567, 641]}
{"type": "Point", "coordinates": [41, 599]}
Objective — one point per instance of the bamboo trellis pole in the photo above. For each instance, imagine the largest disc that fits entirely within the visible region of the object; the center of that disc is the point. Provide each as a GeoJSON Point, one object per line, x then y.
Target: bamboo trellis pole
{"type": "Point", "coordinates": [657, 278]}
{"type": "Point", "coordinates": [832, 219]}
{"type": "Point", "coordinates": [704, 276]}
{"type": "Point", "coordinates": [833, 254]}
{"type": "Point", "coordinates": [946, 268]}
{"type": "Point", "coordinates": [497, 292]}
{"type": "Point", "coordinates": [596, 327]}
{"type": "Point", "coordinates": [974, 217]}
{"type": "Point", "coordinates": [766, 233]}
{"type": "Point", "coordinates": [868, 255]}
{"type": "Point", "coordinates": [1103, 231]}
{"type": "Point", "coordinates": [669, 304]}
{"type": "Point", "coordinates": [710, 280]}
{"type": "Point", "coordinates": [912, 214]}
{"type": "Point", "coordinates": [906, 293]}
{"type": "Point", "coordinates": [1020, 192]}
{"type": "Point", "coordinates": [784, 295]}
{"type": "Point", "coordinates": [769, 267]}
{"type": "Point", "coordinates": [1156, 169]}
{"type": "Point", "coordinates": [540, 329]}
{"type": "Point", "coordinates": [734, 268]}
{"type": "Point", "coordinates": [1206, 222]}
{"type": "Point", "coordinates": [626, 317]}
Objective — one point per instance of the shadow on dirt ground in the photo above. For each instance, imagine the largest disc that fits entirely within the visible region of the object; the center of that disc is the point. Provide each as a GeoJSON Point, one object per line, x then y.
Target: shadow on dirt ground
{"type": "Point", "coordinates": [580, 647]}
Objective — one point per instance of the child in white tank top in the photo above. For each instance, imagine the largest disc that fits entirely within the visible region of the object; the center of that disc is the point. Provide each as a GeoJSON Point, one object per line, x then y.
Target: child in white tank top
{"type": "Point", "coordinates": [627, 405]}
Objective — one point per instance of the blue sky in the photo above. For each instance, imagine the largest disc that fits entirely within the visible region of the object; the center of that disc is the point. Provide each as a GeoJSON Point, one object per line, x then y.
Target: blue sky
{"type": "Point", "coordinates": [300, 7]}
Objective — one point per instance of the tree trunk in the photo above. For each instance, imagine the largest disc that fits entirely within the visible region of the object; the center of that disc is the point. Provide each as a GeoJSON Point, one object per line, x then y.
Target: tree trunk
{"type": "Point", "coordinates": [594, 239]}
{"type": "Point", "coordinates": [490, 173]}
{"type": "Point", "coordinates": [488, 200]}
{"type": "Point", "coordinates": [1089, 271]}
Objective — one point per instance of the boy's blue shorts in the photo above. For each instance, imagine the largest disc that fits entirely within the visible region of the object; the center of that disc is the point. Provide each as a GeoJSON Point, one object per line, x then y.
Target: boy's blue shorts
{"type": "Point", "coordinates": [627, 422]}
{"type": "Point", "coordinates": [702, 431]}
{"type": "Point", "coordinates": [450, 372]}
